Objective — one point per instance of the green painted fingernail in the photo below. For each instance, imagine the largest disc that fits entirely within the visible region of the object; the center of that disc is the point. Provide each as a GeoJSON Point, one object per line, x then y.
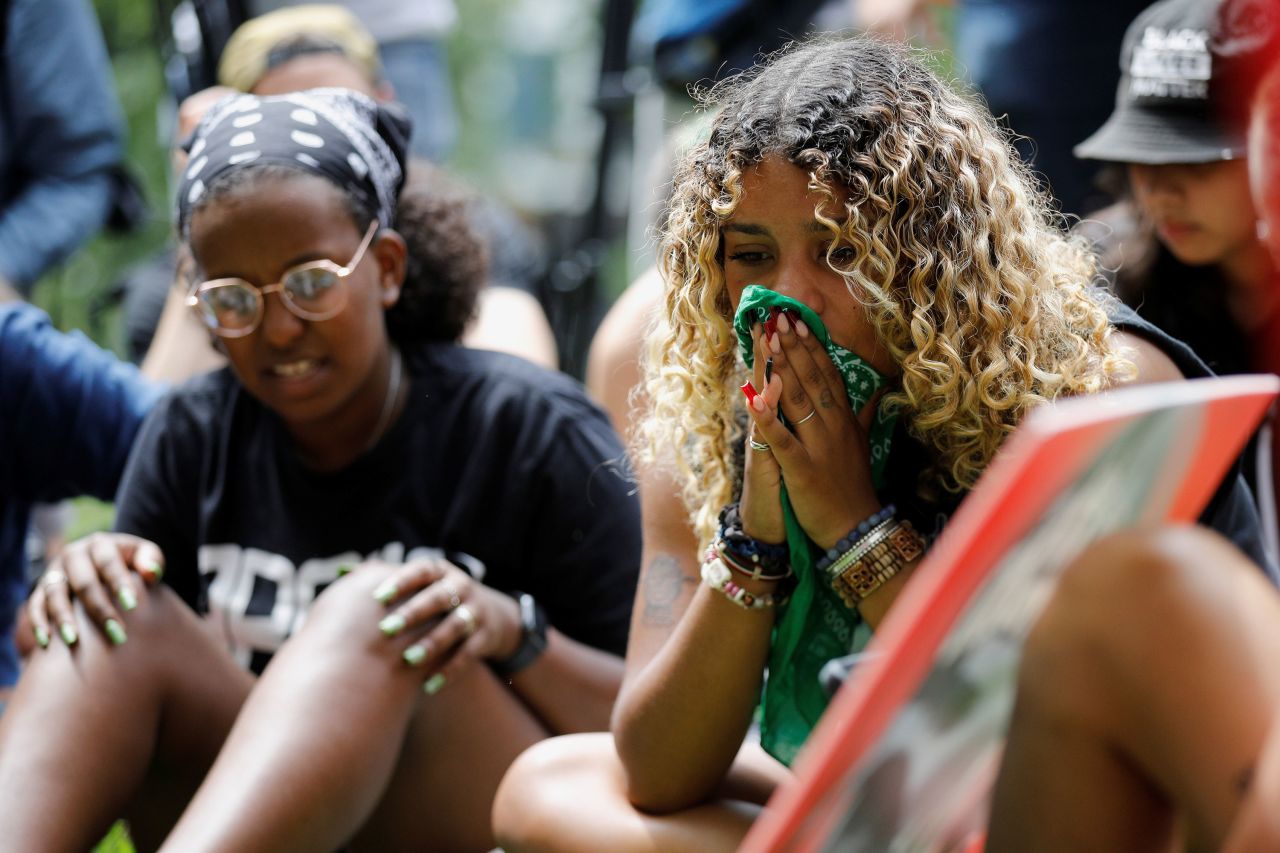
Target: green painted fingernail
{"type": "Point", "coordinates": [155, 569]}
{"type": "Point", "coordinates": [415, 655]}
{"type": "Point", "coordinates": [345, 569]}
{"type": "Point", "coordinates": [392, 625]}
{"type": "Point", "coordinates": [116, 632]}
{"type": "Point", "coordinates": [127, 599]}
{"type": "Point", "coordinates": [384, 593]}
{"type": "Point", "coordinates": [434, 683]}
{"type": "Point", "coordinates": [42, 637]}
{"type": "Point", "coordinates": [68, 632]}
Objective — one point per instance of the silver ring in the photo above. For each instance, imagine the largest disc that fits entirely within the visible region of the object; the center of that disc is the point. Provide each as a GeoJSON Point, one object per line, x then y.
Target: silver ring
{"type": "Point", "coordinates": [53, 577]}
{"type": "Point", "coordinates": [758, 445]}
{"type": "Point", "coordinates": [812, 412]}
{"type": "Point", "coordinates": [454, 600]}
{"type": "Point", "coordinates": [468, 618]}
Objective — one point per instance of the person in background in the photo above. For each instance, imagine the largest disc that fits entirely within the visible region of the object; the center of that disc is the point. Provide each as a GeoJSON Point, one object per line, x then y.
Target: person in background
{"type": "Point", "coordinates": [411, 43]}
{"type": "Point", "coordinates": [61, 136]}
{"type": "Point", "coordinates": [614, 376]}
{"type": "Point", "coordinates": [68, 415]}
{"type": "Point", "coordinates": [1183, 248]}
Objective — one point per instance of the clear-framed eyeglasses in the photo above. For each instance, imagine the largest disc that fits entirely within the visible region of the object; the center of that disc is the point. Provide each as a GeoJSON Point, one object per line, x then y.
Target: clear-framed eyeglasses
{"type": "Point", "coordinates": [315, 290]}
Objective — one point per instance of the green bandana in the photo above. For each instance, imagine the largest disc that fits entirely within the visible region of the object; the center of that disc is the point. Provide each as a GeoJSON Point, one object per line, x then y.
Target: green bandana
{"type": "Point", "coordinates": [815, 625]}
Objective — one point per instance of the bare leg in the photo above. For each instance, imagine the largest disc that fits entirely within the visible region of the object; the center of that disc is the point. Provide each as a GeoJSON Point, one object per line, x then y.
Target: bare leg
{"type": "Point", "coordinates": [338, 731]}
{"type": "Point", "coordinates": [569, 794]}
{"type": "Point", "coordinates": [1145, 694]}
{"type": "Point", "coordinates": [460, 743]}
{"type": "Point", "coordinates": [86, 729]}
{"type": "Point", "coordinates": [1257, 825]}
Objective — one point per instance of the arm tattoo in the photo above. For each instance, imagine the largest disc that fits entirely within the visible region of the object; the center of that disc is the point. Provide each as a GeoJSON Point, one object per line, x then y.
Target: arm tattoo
{"type": "Point", "coordinates": [661, 587]}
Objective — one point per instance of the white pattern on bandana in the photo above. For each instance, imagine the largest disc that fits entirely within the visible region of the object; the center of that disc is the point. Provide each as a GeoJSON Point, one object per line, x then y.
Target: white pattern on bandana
{"type": "Point", "coordinates": [341, 129]}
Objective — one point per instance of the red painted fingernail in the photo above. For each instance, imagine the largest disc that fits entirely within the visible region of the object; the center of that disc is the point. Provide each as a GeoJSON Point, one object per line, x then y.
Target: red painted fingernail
{"type": "Point", "coordinates": [749, 391]}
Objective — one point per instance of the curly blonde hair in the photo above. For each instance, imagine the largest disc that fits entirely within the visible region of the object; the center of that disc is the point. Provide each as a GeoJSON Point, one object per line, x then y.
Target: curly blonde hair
{"type": "Point", "coordinates": [987, 308]}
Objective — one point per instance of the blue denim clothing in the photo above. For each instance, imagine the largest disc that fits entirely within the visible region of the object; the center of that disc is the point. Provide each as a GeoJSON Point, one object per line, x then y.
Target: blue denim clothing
{"type": "Point", "coordinates": [61, 133]}
{"type": "Point", "coordinates": [658, 20]}
{"type": "Point", "coordinates": [418, 70]}
{"type": "Point", "coordinates": [68, 415]}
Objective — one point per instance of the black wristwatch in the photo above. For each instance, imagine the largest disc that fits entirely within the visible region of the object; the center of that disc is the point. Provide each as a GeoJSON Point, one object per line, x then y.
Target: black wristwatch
{"type": "Point", "coordinates": [533, 621]}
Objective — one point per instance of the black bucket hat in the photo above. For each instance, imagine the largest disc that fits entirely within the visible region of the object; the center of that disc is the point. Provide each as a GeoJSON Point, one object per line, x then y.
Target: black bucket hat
{"type": "Point", "coordinates": [1175, 102]}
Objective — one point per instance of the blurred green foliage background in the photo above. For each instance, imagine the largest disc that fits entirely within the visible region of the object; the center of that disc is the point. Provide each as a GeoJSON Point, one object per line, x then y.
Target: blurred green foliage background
{"type": "Point", "coordinates": [72, 292]}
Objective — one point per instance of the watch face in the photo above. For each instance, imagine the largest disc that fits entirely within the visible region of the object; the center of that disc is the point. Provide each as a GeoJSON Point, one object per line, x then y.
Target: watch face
{"type": "Point", "coordinates": [533, 642]}
{"type": "Point", "coordinates": [534, 621]}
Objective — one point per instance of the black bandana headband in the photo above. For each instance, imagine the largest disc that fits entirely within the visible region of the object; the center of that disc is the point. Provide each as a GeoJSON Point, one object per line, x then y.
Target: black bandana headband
{"type": "Point", "coordinates": [341, 135]}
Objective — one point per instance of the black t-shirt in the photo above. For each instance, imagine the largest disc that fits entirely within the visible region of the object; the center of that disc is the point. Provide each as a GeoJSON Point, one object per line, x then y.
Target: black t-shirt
{"type": "Point", "coordinates": [506, 468]}
{"type": "Point", "coordinates": [1232, 510]}
{"type": "Point", "coordinates": [1190, 303]}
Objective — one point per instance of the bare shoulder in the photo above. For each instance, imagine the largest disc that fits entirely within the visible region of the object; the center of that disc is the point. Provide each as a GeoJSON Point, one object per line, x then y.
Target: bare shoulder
{"type": "Point", "coordinates": [617, 343]}
{"type": "Point", "coordinates": [613, 363]}
{"type": "Point", "coordinates": [1152, 363]}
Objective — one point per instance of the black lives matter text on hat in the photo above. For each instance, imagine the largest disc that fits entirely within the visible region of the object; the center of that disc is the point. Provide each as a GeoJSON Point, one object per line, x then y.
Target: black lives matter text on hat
{"type": "Point", "coordinates": [1171, 105]}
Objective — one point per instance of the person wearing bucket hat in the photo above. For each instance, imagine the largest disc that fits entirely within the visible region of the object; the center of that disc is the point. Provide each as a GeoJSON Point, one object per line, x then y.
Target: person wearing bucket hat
{"type": "Point", "coordinates": [1176, 99]}
{"type": "Point", "coordinates": [1182, 247]}
{"type": "Point", "coordinates": [1180, 132]}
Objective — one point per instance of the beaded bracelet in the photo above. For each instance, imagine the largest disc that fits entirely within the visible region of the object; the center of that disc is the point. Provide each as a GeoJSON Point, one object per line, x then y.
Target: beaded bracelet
{"type": "Point", "coordinates": [753, 558]}
{"type": "Point", "coordinates": [860, 548]}
{"type": "Point", "coordinates": [863, 575]}
{"type": "Point", "coordinates": [731, 528]}
{"type": "Point", "coordinates": [752, 567]}
{"type": "Point", "coordinates": [851, 538]}
{"type": "Point", "coordinates": [717, 575]}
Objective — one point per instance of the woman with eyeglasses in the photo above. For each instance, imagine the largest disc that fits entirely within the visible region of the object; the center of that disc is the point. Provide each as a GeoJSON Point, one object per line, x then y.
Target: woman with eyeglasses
{"type": "Point", "coordinates": [491, 544]}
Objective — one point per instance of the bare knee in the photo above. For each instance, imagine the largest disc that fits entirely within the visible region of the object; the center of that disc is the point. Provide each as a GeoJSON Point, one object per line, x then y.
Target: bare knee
{"type": "Point", "coordinates": [155, 632]}
{"type": "Point", "coordinates": [159, 614]}
{"type": "Point", "coordinates": [1144, 579]}
{"type": "Point", "coordinates": [1120, 602]}
{"type": "Point", "coordinates": [547, 788]}
{"type": "Point", "coordinates": [341, 641]}
{"type": "Point", "coordinates": [1156, 560]}
{"type": "Point", "coordinates": [347, 608]}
